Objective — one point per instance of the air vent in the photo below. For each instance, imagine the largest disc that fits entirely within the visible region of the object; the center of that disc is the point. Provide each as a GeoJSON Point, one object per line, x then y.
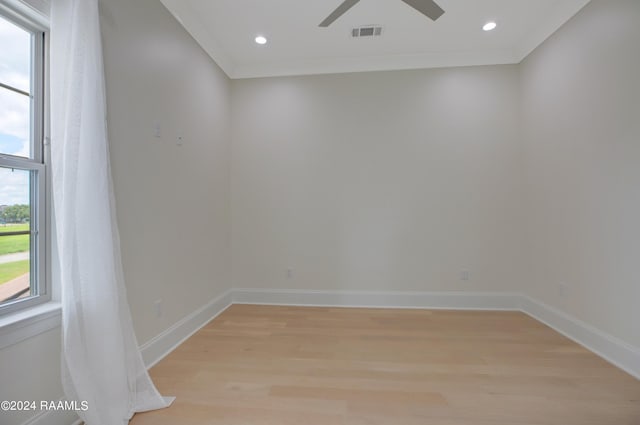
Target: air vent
{"type": "Point", "coordinates": [367, 31]}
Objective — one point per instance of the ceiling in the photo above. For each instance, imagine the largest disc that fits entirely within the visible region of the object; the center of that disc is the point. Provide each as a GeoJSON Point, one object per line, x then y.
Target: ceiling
{"type": "Point", "coordinates": [226, 30]}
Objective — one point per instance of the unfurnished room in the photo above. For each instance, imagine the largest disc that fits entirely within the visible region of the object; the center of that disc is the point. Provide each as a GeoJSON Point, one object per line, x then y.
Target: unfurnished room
{"type": "Point", "coordinates": [327, 212]}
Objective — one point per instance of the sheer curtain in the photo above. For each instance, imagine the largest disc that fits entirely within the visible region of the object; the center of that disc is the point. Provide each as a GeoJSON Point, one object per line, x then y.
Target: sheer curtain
{"type": "Point", "coordinates": [101, 360]}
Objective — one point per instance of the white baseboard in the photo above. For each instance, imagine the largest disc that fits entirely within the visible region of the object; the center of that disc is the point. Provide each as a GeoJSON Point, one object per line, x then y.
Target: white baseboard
{"type": "Point", "coordinates": [152, 351]}
{"type": "Point", "coordinates": [610, 348]}
{"type": "Point", "coordinates": [613, 350]}
{"type": "Point", "coordinates": [426, 300]}
{"type": "Point", "coordinates": [158, 347]}
{"type": "Point", "coordinates": [52, 417]}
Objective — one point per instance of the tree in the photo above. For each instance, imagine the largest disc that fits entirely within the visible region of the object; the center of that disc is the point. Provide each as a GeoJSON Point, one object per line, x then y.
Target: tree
{"type": "Point", "coordinates": [16, 214]}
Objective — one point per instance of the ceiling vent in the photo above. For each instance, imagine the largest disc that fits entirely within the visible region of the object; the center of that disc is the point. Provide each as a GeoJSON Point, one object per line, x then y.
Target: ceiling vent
{"type": "Point", "coordinates": [368, 31]}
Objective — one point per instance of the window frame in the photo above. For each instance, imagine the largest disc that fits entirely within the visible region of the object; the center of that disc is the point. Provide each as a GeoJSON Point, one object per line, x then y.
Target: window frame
{"type": "Point", "coordinates": [40, 245]}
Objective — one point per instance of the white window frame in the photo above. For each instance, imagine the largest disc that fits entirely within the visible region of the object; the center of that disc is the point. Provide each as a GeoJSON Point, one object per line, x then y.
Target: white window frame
{"type": "Point", "coordinates": [40, 247]}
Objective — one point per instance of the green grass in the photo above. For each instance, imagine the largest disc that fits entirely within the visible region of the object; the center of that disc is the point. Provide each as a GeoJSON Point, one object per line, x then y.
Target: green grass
{"type": "Point", "coordinates": [9, 271]}
{"type": "Point", "coordinates": [14, 227]}
{"type": "Point", "coordinates": [13, 244]}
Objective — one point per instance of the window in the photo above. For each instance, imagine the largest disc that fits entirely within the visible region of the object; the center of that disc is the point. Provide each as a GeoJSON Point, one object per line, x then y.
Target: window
{"type": "Point", "coordinates": [23, 200]}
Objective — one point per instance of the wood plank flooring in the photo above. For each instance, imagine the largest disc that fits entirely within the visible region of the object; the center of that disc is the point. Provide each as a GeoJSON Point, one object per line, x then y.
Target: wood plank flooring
{"type": "Point", "coordinates": [269, 365]}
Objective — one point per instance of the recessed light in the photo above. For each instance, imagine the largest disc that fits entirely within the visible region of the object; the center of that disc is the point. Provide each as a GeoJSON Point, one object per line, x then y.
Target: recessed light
{"type": "Point", "coordinates": [489, 26]}
{"type": "Point", "coordinates": [261, 39]}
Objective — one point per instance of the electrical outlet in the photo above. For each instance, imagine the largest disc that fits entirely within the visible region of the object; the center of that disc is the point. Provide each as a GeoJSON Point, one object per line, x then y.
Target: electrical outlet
{"type": "Point", "coordinates": [289, 273]}
{"type": "Point", "coordinates": [157, 307]}
{"type": "Point", "coordinates": [464, 275]}
{"type": "Point", "coordinates": [563, 290]}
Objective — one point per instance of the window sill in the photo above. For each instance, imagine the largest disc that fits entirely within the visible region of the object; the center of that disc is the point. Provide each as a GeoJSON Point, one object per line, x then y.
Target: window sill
{"type": "Point", "coordinates": [18, 326]}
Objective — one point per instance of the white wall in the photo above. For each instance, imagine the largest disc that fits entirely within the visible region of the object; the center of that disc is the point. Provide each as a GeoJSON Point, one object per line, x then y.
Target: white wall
{"type": "Point", "coordinates": [378, 181]}
{"type": "Point", "coordinates": [172, 202]}
{"type": "Point", "coordinates": [581, 109]}
{"type": "Point", "coordinates": [30, 370]}
{"type": "Point", "coordinates": [375, 181]}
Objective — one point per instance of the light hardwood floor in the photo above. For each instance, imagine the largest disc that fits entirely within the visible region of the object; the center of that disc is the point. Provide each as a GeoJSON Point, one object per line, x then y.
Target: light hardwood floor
{"type": "Point", "coordinates": [267, 365]}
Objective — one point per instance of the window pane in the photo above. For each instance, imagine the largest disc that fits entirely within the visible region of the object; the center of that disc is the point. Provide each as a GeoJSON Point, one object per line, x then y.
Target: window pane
{"type": "Point", "coordinates": [15, 238]}
{"type": "Point", "coordinates": [15, 123]}
{"type": "Point", "coordinates": [15, 56]}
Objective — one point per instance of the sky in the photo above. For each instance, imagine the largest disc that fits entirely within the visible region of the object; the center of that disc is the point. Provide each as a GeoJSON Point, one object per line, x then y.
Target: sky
{"type": "Point", "coordinates": [14, 187]}
{"type": "Point", "coordinates": [15, 52]}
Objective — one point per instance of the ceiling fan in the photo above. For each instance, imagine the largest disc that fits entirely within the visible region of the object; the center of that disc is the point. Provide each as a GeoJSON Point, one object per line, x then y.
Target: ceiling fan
{"type": "Point", "coordinates": [428, 8]}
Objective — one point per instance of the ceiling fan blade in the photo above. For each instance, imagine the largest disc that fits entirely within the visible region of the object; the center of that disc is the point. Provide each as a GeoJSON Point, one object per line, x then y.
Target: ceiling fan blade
{"type": "Point", "coordinates": [346, 5]}
{"type": "Point", "coordinates": [426, 7]}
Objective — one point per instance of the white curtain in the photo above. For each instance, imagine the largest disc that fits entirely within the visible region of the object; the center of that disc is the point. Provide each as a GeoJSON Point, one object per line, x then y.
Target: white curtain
{"type": "Point", "coordinates": [101, 360]}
